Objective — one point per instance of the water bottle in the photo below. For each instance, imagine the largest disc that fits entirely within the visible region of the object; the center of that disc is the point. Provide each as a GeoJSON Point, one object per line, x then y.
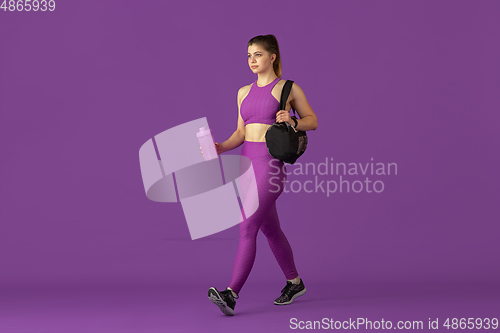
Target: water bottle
{"type": "Point", "coordinates": [207, 143]}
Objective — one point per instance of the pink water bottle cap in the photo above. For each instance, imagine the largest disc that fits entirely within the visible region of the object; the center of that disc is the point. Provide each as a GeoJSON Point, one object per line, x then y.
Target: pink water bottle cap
{"type": "Point", "coordinates": [203, 131]}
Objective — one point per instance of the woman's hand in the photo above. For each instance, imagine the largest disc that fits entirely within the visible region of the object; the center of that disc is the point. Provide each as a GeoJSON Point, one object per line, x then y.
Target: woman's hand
{"type": "Point", "coordinates": [218, 148]}
{"type": "Point", "coordinates": [282, 116]}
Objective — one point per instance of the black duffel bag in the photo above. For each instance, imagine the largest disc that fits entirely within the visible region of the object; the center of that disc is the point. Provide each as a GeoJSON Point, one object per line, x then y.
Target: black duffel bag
{"type": "Point", "coordinates": [283, 141]}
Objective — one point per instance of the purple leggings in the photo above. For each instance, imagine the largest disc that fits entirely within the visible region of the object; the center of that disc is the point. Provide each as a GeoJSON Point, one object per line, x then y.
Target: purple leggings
{"type": "Point", "coordinates": [269, 188]}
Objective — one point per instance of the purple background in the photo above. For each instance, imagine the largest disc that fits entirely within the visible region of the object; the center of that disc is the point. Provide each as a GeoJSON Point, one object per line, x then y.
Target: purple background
{"type": "Point", "coordinates": [82, 88]}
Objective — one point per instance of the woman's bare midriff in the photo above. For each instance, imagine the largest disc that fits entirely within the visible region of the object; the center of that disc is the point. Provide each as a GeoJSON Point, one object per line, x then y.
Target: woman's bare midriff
{"type": "Point", "coordinates": [256, 132]}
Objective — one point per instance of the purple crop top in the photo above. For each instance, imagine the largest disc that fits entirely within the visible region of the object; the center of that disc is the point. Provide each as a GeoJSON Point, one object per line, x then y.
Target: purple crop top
{"type": "Point", "coordinates": [260, 106]}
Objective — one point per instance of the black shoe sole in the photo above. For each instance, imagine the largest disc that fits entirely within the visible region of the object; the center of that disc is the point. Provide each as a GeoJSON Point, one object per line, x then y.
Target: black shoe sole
{"type": "Point", "coordinates": [216, 298]}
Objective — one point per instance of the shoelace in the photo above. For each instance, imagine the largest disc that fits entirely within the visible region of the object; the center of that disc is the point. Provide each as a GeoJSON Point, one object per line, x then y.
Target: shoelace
{"type": "Point", "coordinates": [228, 293]}
{"type": "Point", "coordinates": [287, 287]}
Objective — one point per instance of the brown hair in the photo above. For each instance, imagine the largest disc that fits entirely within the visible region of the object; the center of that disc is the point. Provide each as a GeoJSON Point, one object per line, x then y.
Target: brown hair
{"type": "Point", "coordinates": [270, 44]}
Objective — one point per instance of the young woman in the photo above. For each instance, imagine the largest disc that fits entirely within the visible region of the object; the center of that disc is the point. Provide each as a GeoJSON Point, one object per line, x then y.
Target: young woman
{"type": "Point", "coordinates": [257, 110]}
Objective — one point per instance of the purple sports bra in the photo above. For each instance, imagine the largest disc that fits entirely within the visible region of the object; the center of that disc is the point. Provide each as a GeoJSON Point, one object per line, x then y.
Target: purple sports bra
{"type": "Point", "coordinates": [260, 106]}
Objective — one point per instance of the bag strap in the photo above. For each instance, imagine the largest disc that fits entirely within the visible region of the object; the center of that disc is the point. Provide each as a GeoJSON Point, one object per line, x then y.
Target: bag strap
{"type": "Point", "coordinates": [284, 94]}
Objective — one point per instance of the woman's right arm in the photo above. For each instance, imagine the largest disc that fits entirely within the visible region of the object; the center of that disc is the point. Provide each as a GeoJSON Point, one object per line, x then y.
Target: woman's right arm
{"type": "Point", "coordinates": [238, 136]}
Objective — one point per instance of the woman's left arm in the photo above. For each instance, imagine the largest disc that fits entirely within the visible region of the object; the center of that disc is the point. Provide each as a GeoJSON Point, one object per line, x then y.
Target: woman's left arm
{"type": "Point", "coordinates": [308, 120]}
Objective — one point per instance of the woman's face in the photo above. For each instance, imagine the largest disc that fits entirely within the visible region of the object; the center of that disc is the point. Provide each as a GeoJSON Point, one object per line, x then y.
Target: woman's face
{"type": "Point", "coordinates": [259, 60]}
